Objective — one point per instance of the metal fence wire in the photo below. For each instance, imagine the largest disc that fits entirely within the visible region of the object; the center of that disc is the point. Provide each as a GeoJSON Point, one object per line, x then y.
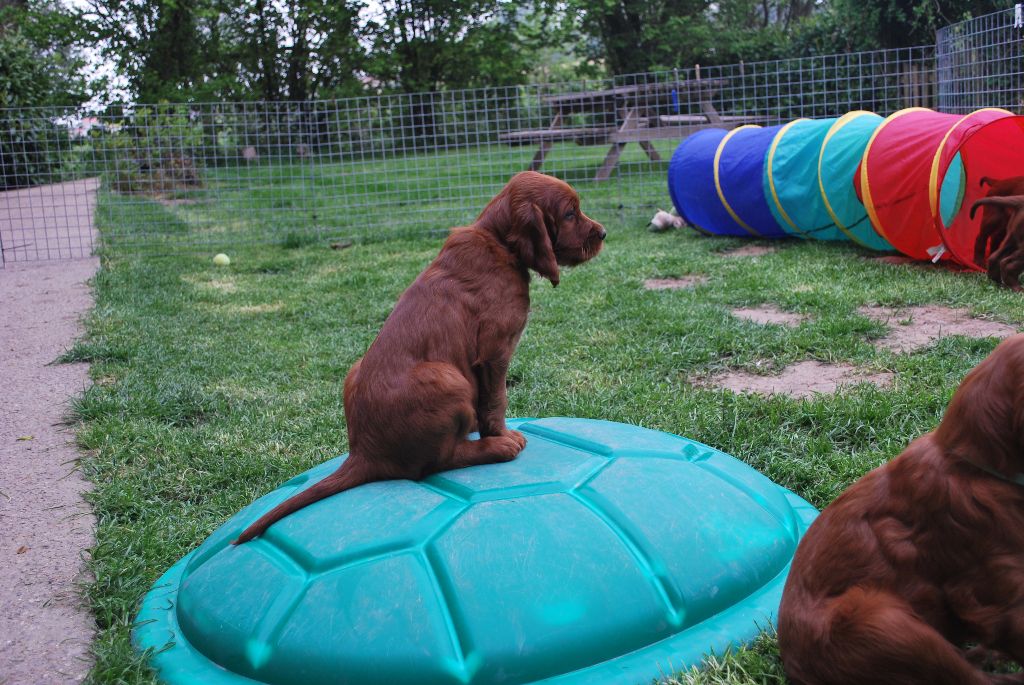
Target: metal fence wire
{"type": "Point", "coordinates": [170, 177]}
{"type": "Point", "coordinates": [980, 63]}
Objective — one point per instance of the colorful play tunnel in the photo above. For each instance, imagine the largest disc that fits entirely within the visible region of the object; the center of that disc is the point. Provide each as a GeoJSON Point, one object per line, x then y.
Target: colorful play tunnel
{"type": "Point", "coordinates": [906, 182]}
{"type": "Point", "coordinates": [791, 175]}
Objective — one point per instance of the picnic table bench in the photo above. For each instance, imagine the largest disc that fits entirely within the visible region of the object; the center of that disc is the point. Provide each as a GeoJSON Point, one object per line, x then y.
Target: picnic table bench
{"type": "Point", "coordinates": [635, 111]}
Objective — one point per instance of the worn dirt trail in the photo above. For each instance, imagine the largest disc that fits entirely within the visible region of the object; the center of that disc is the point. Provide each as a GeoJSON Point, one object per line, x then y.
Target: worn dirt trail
{"type": "Point", "coordinates": [45, 631]}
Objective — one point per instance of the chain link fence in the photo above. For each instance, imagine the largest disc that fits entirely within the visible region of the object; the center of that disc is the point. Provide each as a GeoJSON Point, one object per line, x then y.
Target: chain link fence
{"type": "Point", "coordinates": [170, 177]}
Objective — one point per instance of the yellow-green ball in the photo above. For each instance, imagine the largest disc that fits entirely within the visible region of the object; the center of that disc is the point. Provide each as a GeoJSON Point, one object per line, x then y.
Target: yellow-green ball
{"type": "Point", "coordinates": [222, 259]}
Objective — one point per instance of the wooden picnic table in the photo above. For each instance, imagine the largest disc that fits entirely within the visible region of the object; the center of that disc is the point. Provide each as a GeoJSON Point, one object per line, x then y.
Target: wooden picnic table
{"type": "Point", "coordinates": [626, 114]}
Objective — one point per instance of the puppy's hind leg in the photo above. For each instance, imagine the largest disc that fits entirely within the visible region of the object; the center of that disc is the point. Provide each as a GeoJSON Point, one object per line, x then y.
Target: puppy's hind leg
{"type": "Point", "coordinates": [875, 637]}
{"type": "Point", "coordinates": [1011, 268]}
{"type": "Point", "coordinates": [443, 426]}
{"type": "Point", "coordinates": [990, 237]}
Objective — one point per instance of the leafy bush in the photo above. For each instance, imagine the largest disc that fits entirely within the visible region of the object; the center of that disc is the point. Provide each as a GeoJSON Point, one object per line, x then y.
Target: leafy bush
{"type": "Point", "coordinates": [29, 140]}
{"type": "Point", "coordinates": [154, 151]}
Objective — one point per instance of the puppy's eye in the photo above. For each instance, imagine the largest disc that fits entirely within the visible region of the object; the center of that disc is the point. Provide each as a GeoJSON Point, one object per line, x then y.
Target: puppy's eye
{"type": "Point", "coordinates": [570, 215]}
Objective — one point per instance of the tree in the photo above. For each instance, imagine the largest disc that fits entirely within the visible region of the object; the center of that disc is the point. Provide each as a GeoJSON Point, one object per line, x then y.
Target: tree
{"type": "Point", "coordinates": [181, 50]}
{"type": "Point", "coordinates": [295, 50]}
{"type": "Point", "coordinates": [424, 45]}
{"type": "Point", "coordinates": [635, 35]}
{"type": "Point", "coordinates": [156, 44]}
{"type": "Point", "coordinates": [849, 25]}
{"type": "Point", "coordinates": [629, 36]}
{"type": "Point", "coordinates": [420, 46]}
{"type": "Point", "coordinates": [632, 36]}
{"type": "Point", "coordinates": [39, 60]}
{"type": "Point", "coordinates": [38, 67]}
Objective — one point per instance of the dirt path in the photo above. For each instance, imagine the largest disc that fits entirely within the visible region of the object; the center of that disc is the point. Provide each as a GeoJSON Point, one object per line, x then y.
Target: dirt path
{"type": "Point", "coordinates": [44, 629]}
{"type": "Point", "coordinates": [49, 222]}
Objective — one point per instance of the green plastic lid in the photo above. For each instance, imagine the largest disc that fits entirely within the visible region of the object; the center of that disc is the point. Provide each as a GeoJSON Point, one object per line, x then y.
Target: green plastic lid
{"type": "Point", "coordinates": [604, 553]}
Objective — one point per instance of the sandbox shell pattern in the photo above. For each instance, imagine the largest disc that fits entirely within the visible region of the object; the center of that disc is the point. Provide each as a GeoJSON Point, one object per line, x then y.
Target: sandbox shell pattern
{"type": "Point", "coordinates": [603, 553]}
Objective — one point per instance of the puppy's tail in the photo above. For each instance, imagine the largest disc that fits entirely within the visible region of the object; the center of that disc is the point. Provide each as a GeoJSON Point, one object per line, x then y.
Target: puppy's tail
{"type": "Point", "coordinates": [349, 475]}
{"type": "Point", "coordinates": [1009, 201]}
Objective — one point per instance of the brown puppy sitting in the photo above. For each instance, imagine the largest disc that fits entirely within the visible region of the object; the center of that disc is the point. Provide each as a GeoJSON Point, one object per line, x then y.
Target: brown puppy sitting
{"type": "Point", "coordinates": [921, 555]}
{"type": "Point", "coordinates": [436, 371]}
{"type": "Point", "coordinates": [1006, 263]}
{"type": "Point", "coordinates": [994, 218]}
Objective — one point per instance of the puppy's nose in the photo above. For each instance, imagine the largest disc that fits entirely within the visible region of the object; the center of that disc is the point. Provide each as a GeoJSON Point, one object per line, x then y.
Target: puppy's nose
{"type": "Point", "coordinates": [601, 233]}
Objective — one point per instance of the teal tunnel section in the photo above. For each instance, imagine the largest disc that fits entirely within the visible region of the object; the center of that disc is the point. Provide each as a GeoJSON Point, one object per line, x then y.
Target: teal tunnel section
{"type": "Point", "coordinates": [952, 190]}
{"type": "Point", "coordinates": [791, 180]}
{"type": "Point", "coordinates": [838, 165]}
{"type": "Point", "coordinates": [740, 178]}
{"type": "Point", "coordinates": [605, 553]}
{"type": "Point", "coordinates": [691, 185]}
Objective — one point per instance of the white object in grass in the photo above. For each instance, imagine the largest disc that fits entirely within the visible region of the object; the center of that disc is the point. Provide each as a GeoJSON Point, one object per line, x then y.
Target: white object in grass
{"type": "Point", "coordinates": [221, 259]}
{"type": "Point", "coordinates": [936, 253]}
{"type": "Point", "coordinates": [1018, 16]}
{"type": "Point", "coordinates": [663, 221]}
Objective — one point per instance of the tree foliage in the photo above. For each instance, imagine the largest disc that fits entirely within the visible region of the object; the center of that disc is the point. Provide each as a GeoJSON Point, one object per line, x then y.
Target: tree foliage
{"type": "Point", "coordinates": [213, 49]}
{"type": "Point", "coordinates": [38, 67]}
{"type": "Point", "coordinates": [303, 49]}
{"type": "Point", "coordinates": [872, 24]}
{"type": "Point", "coordinates": [422, 45]}
{"type": "Point", "coordinates": [634, 35]}
{"type": "Point", "coordinates": [38, 61]}
{"type": "Point", "coordinates": [186, 50]}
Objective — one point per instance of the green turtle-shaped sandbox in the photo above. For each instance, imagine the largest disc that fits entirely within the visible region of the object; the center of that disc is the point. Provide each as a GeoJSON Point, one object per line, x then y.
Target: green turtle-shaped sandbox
{"type": "Point", "coordinates": [605, 553]}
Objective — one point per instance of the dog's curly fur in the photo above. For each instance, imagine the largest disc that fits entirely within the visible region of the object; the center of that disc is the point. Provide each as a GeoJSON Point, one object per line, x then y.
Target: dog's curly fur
{"type": "Point", "coordinates": [436, 371]}
{"type": "Point", "coordinates": [923, 555]}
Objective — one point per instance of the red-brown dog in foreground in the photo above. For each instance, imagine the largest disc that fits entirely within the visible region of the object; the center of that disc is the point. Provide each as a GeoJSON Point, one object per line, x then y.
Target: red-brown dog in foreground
{"type": "Point", "coordinates": [922, 555]}
{"type": "Point", "coordinates": [436, 371]}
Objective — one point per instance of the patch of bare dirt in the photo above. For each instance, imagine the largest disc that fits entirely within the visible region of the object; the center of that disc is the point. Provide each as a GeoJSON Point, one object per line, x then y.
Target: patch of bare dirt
{"type": "Point", "coordinates": [675, 283]}
{"type": "Point", "coordinates": [45, 628]}
{"type": "Point", "coordinates": [801, 380]}
{"type": "Point", "coordinates": [769, 315]}
{"type": "Point", "coordinates": [912, 328]}
{"type": "Point", "coordinates": [49, 222]}
{"type": "Point", "coordinates": [749, 251]}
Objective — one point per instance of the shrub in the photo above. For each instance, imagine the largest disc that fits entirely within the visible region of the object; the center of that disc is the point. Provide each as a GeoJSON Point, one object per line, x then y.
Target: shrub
{"type": "Point", "coordinates": [30, 141]}
{"type": "Point", "coordinates": [154, 151]}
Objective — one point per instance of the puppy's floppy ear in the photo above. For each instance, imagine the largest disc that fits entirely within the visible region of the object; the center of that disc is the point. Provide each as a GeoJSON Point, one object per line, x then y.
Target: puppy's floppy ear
{"type": "Point", "coordinates": [533, 242]}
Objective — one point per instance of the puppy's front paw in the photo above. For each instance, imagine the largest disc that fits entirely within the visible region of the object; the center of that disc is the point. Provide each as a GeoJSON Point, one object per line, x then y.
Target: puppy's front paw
{"type": "Point", "coordinates": [516, 436]}
{"type": "Point", "coordinates": [509, 444]}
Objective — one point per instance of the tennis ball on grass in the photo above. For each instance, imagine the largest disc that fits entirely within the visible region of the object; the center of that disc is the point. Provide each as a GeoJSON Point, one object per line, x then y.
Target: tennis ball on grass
{"type": "Point", "coordinates": [221, 259]}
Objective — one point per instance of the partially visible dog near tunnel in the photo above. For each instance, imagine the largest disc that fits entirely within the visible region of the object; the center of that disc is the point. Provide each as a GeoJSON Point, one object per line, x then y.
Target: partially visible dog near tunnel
{"type": "Point", "coordinates": [1003, 220]}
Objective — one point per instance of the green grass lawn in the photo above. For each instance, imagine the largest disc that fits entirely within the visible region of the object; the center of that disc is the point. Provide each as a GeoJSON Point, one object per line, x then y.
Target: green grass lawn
{"type": "Point", "coordinates": [213, 385]}
{"type": "Point", "coordinates": [376, 197]}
